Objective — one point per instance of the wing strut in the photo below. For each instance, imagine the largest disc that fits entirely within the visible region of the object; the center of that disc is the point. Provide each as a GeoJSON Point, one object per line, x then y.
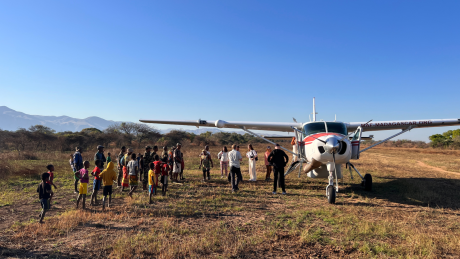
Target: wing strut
{"type": "Point", "coordinates": [252, 133]}
{"type": "Point", "coordinates": [385, 140]}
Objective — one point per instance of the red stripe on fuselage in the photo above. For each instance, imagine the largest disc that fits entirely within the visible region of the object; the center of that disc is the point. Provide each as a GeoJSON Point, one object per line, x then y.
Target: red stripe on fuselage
{"type": "Point", "coordinates": [318, 135]}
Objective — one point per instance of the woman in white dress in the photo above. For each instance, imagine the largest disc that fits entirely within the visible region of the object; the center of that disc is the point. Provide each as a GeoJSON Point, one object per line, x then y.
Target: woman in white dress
{"type": "Point", "coordinates": [252, 155]}
{"type": "Point", "coordinates": [223, 157]}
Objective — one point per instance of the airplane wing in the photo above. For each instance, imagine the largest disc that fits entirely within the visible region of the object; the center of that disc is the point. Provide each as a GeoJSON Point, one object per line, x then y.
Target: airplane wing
{"type": "Point", "coordinates": [392, 125]}
{"type": "Point", "coordinates": [271, 126]}
{"type": "Point", "coordinates": [286, 126]}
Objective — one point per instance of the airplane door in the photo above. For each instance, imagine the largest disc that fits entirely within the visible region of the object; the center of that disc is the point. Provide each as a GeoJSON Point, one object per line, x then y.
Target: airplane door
{"type": "Point", "coordinates": [356, 143]}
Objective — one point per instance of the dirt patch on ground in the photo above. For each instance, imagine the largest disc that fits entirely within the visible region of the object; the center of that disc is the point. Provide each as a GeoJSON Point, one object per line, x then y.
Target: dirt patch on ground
{"type": "Point", "coordinates": [437, 169]}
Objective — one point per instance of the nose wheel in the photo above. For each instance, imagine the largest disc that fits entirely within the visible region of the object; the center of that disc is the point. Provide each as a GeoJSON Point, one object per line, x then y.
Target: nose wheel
{"type": "Point", "coordinates": [330, 193]}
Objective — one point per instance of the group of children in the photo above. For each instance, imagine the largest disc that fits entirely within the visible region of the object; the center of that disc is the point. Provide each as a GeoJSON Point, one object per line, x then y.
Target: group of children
{"type": "Point", "coordinates": [102, 179]}
{"type": "Point", "coordinates": [108, 177]}
{"type": "Point", "coordinates": [160, 171]}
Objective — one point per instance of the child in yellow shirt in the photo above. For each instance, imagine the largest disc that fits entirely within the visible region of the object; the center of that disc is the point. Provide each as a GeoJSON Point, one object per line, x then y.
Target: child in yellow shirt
{"type": "Point", "coordinates": [108, 176]}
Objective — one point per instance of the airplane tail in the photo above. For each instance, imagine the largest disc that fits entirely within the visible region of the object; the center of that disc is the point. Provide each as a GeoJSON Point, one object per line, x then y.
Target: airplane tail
{"type": "Point", "coordinates": [314, 109]}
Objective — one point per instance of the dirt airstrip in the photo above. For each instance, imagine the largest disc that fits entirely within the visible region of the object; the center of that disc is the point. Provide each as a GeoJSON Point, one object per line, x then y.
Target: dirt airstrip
{"type": "Point", "coordinates": [412, 211]}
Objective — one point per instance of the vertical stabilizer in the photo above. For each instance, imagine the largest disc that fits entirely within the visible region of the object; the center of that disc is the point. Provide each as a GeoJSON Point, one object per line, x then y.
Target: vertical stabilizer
{"type": "Point", "coordinates": [314, 110]}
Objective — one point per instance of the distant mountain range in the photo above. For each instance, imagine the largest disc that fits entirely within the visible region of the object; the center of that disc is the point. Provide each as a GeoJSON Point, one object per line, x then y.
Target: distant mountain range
{"type": "Point", "coordinates": [13, 120]}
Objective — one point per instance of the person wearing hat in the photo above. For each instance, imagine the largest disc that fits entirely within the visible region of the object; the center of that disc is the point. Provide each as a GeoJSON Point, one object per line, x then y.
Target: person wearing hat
{"type": "Point", "coordinates": [120, 166]}
{"type": "Point", "coordinates": [267, 164]}
{"type": "Point", "coordinates": [100, 156]}
{"type": "Point", "coordinates": [77, 164]}
{"type": "Point", "coordinates": [177, 162]}
{"type": "Point", "coordinates": [206, 164]}
{"type": "Point", "coordinates": [147, 159]}
{"type": "Point", "coordinates": [279, 159]}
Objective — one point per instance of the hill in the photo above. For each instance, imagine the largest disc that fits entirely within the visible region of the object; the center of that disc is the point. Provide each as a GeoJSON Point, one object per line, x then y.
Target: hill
{"type": "Point", "coordinates": [13, 120]}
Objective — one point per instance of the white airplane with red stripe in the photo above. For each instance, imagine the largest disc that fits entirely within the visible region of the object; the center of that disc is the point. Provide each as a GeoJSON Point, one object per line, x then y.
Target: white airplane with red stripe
{"type": "Point", "coordinates": [322, 146]}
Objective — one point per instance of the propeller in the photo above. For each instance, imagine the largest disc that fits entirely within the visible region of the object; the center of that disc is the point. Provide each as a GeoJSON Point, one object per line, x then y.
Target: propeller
{"type": "Point", "coordinates": [319, 139]}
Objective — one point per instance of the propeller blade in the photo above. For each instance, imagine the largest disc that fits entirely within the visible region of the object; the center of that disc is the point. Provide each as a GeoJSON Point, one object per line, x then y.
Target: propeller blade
{"type": "Point", "coordinates": [319, 139]}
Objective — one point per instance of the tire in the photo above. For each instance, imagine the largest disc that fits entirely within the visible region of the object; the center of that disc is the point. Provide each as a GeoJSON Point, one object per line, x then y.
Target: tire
{"type": "Point", "coordinates": [331, 194]}
{"type": "Point", "coordinates": [367, 182]}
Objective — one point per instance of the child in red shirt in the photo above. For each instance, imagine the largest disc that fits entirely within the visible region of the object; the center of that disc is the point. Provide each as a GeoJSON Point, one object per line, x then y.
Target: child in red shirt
{"type": "Point", "coordinates": [157, 168]}
{"type": "Point", "coordinates": [50, 171]}
{"type": "Point", "coordinates": [164, 178]}
{"type": "Point", "coordinates": [96, 183]}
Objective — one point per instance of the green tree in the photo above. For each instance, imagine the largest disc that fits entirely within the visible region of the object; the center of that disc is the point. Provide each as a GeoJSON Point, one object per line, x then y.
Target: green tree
{"type": "Point", "coordinates": [456, 133]}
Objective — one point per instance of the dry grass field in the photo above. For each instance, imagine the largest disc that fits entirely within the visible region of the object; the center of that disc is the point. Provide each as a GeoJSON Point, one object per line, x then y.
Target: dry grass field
{"type": "Point", "coordinates": [412, 212]}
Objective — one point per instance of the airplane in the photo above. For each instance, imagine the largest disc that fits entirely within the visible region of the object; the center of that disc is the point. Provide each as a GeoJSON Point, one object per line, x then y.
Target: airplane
{"type": "Point", "coordinates": [323, 146]}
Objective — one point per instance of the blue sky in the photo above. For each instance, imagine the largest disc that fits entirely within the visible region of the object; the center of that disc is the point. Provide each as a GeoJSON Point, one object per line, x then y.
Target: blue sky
{"type": "Point", "coordinates": [232, 60]}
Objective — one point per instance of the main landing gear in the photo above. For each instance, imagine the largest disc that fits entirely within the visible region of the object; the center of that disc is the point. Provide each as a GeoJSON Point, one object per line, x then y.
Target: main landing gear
{"type": "Point", "coordinates": [366, 180]}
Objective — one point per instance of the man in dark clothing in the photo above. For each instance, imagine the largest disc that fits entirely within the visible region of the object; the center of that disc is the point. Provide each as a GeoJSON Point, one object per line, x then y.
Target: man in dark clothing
{"type": "Point", "coordinates": [279, 159]}
{"type": "Point", "coordinates": [100, 156]}
{"type": "Point", "coordinates": [148, 158]}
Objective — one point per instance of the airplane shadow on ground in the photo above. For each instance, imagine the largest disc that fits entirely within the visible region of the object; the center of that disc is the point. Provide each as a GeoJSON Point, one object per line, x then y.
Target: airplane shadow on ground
{"type": "Point", "coordinates": [26, 253]}
{"type": "Point", "coordinates": [427, 192]}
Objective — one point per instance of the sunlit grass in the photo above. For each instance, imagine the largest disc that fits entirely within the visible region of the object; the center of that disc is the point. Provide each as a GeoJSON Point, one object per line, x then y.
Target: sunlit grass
{"type": "Point", "coordinates": [410, 213]}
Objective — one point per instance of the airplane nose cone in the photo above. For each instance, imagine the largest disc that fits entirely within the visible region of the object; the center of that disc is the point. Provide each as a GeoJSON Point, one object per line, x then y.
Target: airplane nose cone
{"type": "Point", "coordinates": [332, 145]}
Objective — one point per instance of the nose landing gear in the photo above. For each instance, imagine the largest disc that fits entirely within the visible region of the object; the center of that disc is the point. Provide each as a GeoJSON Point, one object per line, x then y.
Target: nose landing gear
{"type": "Point", "coordinates": [330, 193]}
{"type": "Point", "coordinates": [330, 190]}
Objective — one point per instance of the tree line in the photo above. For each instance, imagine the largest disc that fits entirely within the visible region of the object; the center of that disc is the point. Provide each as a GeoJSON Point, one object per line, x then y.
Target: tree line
{"type": "Point", "coordinates": [448, 139]}
{"type": "Point", "coordinates": [42, 138]}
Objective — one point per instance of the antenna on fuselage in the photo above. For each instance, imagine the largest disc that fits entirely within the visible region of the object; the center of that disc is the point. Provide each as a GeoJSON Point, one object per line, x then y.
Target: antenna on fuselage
{"type": "Point", "coordinates": [314, 110]}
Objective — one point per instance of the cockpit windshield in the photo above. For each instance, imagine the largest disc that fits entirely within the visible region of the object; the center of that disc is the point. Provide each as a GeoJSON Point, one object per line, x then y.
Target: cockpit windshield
{"type": "Point", "coordinates": [337, 127]}
{"type": "Point", "coordinates": [313, 128]}
{"type": "Point", "coordinates": [319, 127]}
